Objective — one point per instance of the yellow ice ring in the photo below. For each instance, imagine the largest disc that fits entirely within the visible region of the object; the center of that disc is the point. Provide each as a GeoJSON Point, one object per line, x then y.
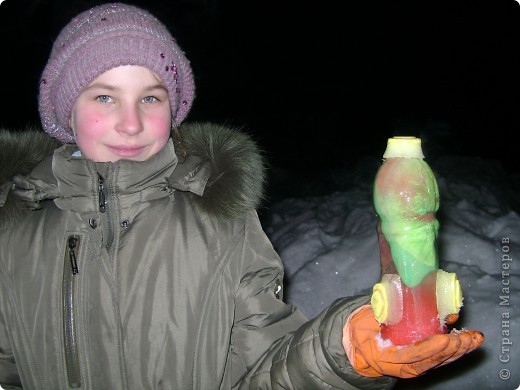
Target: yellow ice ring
{"type": "Point", "coordinates": [387, 299]}
{"type": "Point", "coordinates": [448, 294]}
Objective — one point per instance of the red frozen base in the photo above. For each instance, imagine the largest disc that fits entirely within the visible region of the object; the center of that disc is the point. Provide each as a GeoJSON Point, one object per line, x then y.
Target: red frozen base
{"type": "Point", "coordinates": [420, 318]}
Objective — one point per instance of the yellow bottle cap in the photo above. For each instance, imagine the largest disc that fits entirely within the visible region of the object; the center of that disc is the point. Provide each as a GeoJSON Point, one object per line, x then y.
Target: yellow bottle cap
{"type": "Point", "coordinates": [379, 302]}
{"type": "Point", "coordinates": [406, 147]}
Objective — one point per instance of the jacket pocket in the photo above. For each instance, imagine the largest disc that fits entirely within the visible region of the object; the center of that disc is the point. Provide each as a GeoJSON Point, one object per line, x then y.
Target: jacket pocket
{"type": "Point", "coordinates": [70, 272]}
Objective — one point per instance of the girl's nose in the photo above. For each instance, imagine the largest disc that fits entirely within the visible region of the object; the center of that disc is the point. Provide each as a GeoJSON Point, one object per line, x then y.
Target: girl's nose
{"type": "Point", "coordinates": [130, 121]}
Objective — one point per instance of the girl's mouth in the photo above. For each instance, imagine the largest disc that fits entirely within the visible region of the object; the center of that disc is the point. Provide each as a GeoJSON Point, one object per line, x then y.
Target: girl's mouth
{"type": "Point", "coordinates": [127, 151]}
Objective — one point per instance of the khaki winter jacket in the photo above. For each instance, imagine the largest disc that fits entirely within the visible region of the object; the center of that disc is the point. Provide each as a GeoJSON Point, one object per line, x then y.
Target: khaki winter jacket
{"type": "Point", "coordinates": [152, 275]}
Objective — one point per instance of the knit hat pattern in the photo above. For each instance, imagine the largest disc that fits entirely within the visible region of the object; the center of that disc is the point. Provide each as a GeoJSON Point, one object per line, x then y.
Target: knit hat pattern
{"type": "Point", "coordinates": [102, 38]}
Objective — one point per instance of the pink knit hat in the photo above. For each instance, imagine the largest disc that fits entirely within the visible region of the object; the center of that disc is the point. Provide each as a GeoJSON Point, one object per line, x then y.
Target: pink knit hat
{"type": "Point", "coordinates": [103, 38]}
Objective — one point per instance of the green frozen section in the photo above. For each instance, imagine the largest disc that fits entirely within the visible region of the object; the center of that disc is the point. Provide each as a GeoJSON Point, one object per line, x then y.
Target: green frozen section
{"type": "Point", "coordinates": [406, 198]}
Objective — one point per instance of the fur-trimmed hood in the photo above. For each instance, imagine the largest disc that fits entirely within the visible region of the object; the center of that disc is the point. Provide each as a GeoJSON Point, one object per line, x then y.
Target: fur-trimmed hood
{"type": "Point", "coordinates": [223, 167]}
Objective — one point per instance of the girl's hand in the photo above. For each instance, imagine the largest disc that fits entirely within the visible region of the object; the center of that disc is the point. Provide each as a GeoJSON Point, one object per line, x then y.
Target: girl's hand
{"type": "Point", "coordinates": [362, 344]}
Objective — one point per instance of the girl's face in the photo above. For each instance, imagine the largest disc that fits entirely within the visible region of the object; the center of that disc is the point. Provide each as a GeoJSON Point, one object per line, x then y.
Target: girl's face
{"type": "Point", "coordinates": [123, 114]}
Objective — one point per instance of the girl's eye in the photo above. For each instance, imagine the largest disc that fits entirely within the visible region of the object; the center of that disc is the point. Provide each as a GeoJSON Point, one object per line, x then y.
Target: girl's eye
{"type": "Point", "coordinates": [149, 99]}
{"type": "Point", "coordinates": [104, 99]}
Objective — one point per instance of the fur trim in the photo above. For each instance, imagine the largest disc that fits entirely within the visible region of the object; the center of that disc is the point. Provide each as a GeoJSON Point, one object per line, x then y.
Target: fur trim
{"type": "Point", "coordinates": [236, 183]}
{"type": "Point", "coordinates": [21, 152]}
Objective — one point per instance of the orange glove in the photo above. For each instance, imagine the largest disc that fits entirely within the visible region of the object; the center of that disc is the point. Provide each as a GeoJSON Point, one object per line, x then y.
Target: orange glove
{"type": "Point", "coordinates": [361, 342]}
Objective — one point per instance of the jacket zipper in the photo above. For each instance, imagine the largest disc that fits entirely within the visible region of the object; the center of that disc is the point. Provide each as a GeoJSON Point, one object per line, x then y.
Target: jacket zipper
{"type": "Point", "coordinates": [101, 194]}
{"type": "Point", "coordinates": [70, 271]}
{"type": "Point", "coordinates": [103, 208]}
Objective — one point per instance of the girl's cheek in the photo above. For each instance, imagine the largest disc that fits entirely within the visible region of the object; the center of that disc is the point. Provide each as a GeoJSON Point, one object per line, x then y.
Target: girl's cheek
{"type": "Point", "coordinates": [161, 124]}
{"type": "Point", "coordinates": [91, 122]}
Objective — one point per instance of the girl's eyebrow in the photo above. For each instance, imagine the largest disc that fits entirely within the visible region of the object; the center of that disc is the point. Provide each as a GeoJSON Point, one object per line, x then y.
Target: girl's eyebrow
{"type": "Point", "coordinates": [156, 86]}
{"type": "Point", "coordinates": [114, 88]}
{"type": "Point", "coordinates": [101, 86]}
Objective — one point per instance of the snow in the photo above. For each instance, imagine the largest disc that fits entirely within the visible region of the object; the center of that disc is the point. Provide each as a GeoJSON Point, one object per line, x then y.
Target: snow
{"type": "Point", "coordinates": [329, 247]}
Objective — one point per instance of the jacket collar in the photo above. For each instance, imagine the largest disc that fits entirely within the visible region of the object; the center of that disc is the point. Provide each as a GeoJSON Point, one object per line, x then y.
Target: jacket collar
{"type": "Point", "coordinates": [79, 181]}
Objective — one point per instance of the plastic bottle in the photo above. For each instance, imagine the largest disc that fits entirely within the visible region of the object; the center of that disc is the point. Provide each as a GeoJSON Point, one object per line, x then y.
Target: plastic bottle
{"type": "Point", "coordinates": [414, 296]}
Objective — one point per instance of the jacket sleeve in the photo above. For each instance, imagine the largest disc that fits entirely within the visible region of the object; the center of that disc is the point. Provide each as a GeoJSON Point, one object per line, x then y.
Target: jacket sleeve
{"type": "Point", "coordinates": [274, 345]}
{"type": "Point", "coordinates": [9, 377]}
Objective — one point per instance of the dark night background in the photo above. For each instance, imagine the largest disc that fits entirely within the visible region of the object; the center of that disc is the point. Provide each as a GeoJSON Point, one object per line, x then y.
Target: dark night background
{"type": "Point", "coordinates": [318, 84]}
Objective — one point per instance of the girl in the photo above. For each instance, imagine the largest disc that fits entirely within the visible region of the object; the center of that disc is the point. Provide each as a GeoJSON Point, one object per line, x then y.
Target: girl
{"type": "Point", "coordinates": [132, 257]}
